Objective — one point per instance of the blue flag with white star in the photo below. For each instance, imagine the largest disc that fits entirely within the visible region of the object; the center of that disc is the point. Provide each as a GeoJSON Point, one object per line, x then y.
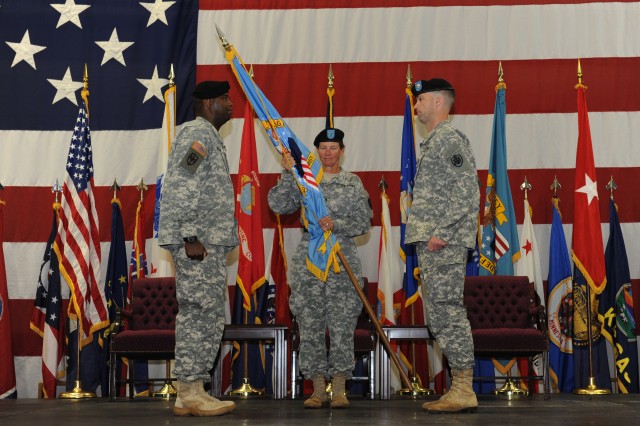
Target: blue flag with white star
{"type": "Point", "coordinates": [410, 281]}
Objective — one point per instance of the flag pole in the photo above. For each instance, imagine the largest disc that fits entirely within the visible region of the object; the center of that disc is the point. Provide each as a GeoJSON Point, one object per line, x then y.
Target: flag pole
{"type": "Point", "coordinates": [77, 392]}
{"type": "Point", "coordinates": [354, 280]}
{"type": "Point", "coordinates": [374, 319]}
{"type": "Point", "coordinates": [509, 389]}
{"type": "Point", "coordinates": [168, 390]}
{"type": "Point", "coordinates": [245, 389]}
{"type": "Point", "coordinates": [592, 388]}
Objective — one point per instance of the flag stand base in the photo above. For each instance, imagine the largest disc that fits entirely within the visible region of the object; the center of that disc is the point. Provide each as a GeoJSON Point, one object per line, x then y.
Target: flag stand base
{"type": "Point", "coordinates": [246, 389]}
{"type": "Point", "coordinates": [416, 390]}
{"type": "Point", "coordinates": [510, 390]}
{"type": "Point", "coordinates": [77, 393]}
{"type": "Point", "coordinates": [592, 389]}
{"type": "Point", "coordinates": [167, 391]}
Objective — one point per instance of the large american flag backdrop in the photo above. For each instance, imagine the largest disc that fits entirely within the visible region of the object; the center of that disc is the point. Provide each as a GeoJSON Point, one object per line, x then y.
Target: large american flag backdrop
{"type": "Point", "coordinates": [128, 47]}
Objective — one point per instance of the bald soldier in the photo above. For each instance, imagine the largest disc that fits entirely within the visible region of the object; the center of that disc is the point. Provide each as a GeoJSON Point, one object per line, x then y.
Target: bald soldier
{"type": "Point", "coordinates": [198, 227]}
{"type": "Point", "coordinates": [443, 224]}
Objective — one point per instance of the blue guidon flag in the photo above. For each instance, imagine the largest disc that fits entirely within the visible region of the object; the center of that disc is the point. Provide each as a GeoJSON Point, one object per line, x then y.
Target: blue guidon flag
{"type": "Point", "coordinates": [307, 170]}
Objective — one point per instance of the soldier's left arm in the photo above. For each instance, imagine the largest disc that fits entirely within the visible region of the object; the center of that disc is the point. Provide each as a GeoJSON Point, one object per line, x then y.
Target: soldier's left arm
{"type": "Point", "coordinates": [462, 183]}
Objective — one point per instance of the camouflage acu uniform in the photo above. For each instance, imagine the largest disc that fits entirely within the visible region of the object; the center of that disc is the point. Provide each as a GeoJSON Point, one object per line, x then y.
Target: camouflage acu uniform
{"type": "Point", "coordinates": [335, 304]}
{"type": "Point", "coordinates": [445, 205]}
{"type": "Point", "coordinates": [198, 200]}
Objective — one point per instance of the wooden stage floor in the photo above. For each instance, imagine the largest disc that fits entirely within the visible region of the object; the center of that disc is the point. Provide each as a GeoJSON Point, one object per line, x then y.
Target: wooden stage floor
{"type": "Point", "coordinates": [563, 409]}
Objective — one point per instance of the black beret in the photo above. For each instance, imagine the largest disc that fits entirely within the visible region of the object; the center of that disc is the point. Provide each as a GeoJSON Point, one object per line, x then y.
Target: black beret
{"type": "Point", "coordinates": [329, 135]}
{"type": "Point", "coordinates": [433, 85]}
{"type": "Point", "coordinates": [210, 89]}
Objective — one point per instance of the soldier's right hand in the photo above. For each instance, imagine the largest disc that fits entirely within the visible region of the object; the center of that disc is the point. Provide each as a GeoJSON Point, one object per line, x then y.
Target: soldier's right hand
{"type": "Point", "coordinates": [195, 250]}
{"type": "Point", "coordinates": [287, 160]}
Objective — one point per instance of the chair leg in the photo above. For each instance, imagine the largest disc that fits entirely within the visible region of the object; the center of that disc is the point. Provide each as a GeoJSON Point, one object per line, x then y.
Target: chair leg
{"type": "Point", "coordinates": [294, 374]}
{"type": "Point", "coordinates": [372, 379]}
{"type": "Point", "coordinates": [531, 373]}
{"type": "Point", "coordinates": [112, 377]}
{"type": "Point", "coordinates": [131, 384]}
{"type": "Point", "coordinates": [545, 372]}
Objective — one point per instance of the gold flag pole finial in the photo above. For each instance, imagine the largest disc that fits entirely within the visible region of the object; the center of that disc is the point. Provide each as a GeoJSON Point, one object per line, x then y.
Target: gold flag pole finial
{"type": "Point", "coordinates": [85, 78]}
{"type": "Point", "coordinates": [223, 39]}
{"type": "Point", "coordinates": [142, 187]}
{"type": "Point", "coordinates": [115, 188]}
{"type": "Point", "coordinates": [57, 190]}
{"type": "Point", "coordinates": [383, 184]}
{"type": "Point", "coordinates": [409, 76]}
{"type": "Point", "coordinates": [611, 186]}
{"type": "Point", "coordinates": [501, 84]}
{"type": "Point", "coordinates": [330, 77]}
{"type": "Point", "coordinates": [526, 187]}
{"type": "Point", "coordinates": [172, 76]}
{"type": "Point", "coordinates": [251, 72]}
{"type": "Point", "coordinates": [579, 73]}
{"type": "Point", "coordinates": [85, 88]}
{"type": "Point", "coordinates": [555, 186]}
{"type": "Point", "coordinates": [580, 84]}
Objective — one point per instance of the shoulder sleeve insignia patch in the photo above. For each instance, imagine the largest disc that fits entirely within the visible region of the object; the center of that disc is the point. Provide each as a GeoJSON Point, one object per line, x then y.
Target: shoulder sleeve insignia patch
{"type": "Point", "coordinates": [193, 158]}
{"type": "Point", "coordinates": [459, 162]}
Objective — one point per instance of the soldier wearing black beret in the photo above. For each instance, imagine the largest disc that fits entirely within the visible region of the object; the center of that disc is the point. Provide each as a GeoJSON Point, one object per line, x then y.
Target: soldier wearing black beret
{"type": "Point", "coordinates": [433, 85]}
{"type": "Point", "coordinates": [330, 135]}
{"type": "Point", "coordinates": [198, 227]}
{"type": "Point", "coordinates": [442, 226]}
{"type": "Point", "coordinates": [210, 89]}
{"type": "Point", "coordinates": [332, 305]}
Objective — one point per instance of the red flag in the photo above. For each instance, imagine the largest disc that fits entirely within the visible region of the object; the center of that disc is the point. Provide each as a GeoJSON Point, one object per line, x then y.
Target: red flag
{"type": "Point", "coordinates": [77, 244]}
{"type": "Point", "coordinates": [46, 318]}
{"type": "Point", "coordinates": [588, 252]}
{"type": "Point", "coordinates": [138, 266]}
{"type": "Point", "coordinates": [138, 269]}
{"type": "Point", "coordinates": [8, 375]}
{"type": "Point", "coordinates": [251, 252]}
{"type": "Point", "coordinates": [279, 277]}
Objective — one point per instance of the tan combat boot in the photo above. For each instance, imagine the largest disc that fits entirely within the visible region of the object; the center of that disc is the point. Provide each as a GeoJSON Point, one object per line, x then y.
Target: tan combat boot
{"type": "Point", "coordinates": [338, 392]}
{"type": "Point", "coordinates": [319, 396]}
{"type": "Point", "coordinates": [193, 400]}
{"type": "Point", "coordinates": [460, 398]}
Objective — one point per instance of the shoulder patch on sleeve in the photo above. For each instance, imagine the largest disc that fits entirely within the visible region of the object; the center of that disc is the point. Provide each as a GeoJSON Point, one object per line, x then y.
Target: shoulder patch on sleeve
{"type": "Point", "coordinates": [456, 159]}
{"type": "Point", "coordinates": [194, 156]}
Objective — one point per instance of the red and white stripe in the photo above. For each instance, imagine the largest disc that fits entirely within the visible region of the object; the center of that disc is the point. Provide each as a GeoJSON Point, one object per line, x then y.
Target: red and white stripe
{"type": "Point", "coordinates": [308, 176]}
{"type": "Point", "coordinates": [501, 245]}
{"type": "Point", "coordinates": [369, 44]}
{"type": "Point", "coordinates": [78, 248]}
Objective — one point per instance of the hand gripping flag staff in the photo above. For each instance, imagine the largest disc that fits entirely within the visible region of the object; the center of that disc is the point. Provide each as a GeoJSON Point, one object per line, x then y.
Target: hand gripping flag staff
{"type": "Point", "coordinates": [324, 250]}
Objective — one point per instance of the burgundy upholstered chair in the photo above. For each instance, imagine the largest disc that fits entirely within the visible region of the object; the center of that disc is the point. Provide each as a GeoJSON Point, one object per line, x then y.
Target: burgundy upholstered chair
{"type": "Point", "coordinates": [150, 332]}
{"type": "Point", "coordinates": [507, 321]}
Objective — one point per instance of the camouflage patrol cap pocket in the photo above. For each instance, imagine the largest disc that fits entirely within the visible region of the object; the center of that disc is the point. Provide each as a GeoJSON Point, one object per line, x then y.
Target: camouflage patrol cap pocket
{"type": "Point", "coordinates": [456, 159]}
{"type": "Point", "coordinates": [194, 156]}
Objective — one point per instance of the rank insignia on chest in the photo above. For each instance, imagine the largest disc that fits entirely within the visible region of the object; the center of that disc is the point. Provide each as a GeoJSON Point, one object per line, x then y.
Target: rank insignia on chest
{"type": "Point", "coordinates": [194, 156]}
